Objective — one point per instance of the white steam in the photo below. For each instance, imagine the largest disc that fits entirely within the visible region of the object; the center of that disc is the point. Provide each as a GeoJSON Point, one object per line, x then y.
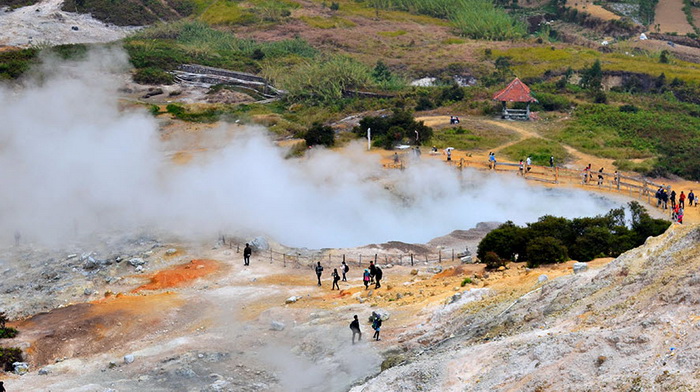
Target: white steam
{"type": "Point", "coordinates": [70, 161]}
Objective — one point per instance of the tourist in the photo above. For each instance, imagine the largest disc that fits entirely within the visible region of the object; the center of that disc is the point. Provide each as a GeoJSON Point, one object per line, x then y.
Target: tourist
{"type": "Point", "coordinates": [366, 278]}
{"type": "Point", "coordinates": [2, 386]}
{"type": "Point", "coordinates": [529, 162]}
{"type": "Point", "coordinates": [520, 167]}
{"type": "Point", "coordinates": [247, 251]}
{"type": "Point", "coordinates": [372, 269]}
{"type": "Point", "coordinates": [673, 199]}
{"type": "Point", "coordinates": [551, 161]}
{"type": "Point", "coordinates": [691, 198]}
{"type": "Point", "coordinates": [600, 176]}
{"type": "Point", "coordinates": [448, 151]}
{"type": "Point", "coordinates": [659, 196]}
{"type": "Point", "coordinates": [664, 198]}
{"type": "Point", "coordinates": [376, 325]}
{"type": "Point", "coordinates": [355, 328]}
{"type": "Point", "coordinates": [681, 200]}
{"type": "Point", "coordinates": [378, 276]}
{"type": "Point", "coordinates": [492, 160]}
{"type": "Point", "coordinates": [344, 267]}
{"type": "Point", "coordinates": [319, 271]}
{"type": "Point", "coordinates": [336, 278]}
{"type": "Point", "coordinates": [396, 158]}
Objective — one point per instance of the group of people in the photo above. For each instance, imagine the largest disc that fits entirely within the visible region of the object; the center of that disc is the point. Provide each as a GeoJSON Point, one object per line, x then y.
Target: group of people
{"type": "Point", "coordinates": [454, 120]}
{"type": "Point", "coordinates": [376, 320]}
{"type": "Point", "coordinates": [677, 208]}
{"type": "Point", "coordinates": [373, 274]}
{"type": "Point", "coordinates": [521, 167]}
{"type": "Point", "coordinates": [492, 160]}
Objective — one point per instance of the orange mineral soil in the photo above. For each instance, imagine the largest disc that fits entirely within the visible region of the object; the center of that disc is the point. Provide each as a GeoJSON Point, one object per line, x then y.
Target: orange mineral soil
{"type": "Point", "coordinates": [180, 275]}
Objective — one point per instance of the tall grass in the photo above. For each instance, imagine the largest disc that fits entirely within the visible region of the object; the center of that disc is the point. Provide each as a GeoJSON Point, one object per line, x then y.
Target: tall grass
{"type": "Point", "coordinates": [322, 80]}
{"type": "Point", "coordinates": [479, 19]}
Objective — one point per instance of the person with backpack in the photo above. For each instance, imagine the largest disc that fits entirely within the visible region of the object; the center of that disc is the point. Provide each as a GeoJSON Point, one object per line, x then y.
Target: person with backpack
{"type": "Point", "coordinates": [319, 271]}
{"type": "Point", "coordinates": [673, 199]}
{"type": "Point", "coordinates": [681, 200]}
{"type": "Point", "coordinates": [336, 278]}
{"type": "Point", "coordinates": [344, 267]}
{"type": "Point", "coordinates": [691, 197]}
{"type": "Point", "coordinates": [355, 328]}
{"type": "Point", "coordinates": [376, 326]}
{"type": "Point", "coordinates": [371, 271]}
{"type": "Point", "coordinates": [377, 276]}
{"type": "Point", "coordinates": [366, 278]}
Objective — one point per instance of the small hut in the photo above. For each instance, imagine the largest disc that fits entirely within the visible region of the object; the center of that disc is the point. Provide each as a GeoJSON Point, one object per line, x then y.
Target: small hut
{"type": "Point", "coordinates": [516, 91]}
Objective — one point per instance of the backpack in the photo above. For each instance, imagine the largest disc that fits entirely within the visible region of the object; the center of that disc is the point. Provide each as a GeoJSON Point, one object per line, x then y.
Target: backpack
{"type": "Point", "coordinates": [347, 268]}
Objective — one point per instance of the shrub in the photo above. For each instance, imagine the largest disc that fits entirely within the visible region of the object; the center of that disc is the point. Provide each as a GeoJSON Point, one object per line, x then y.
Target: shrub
{"type": "Point", "coordinates": [506, 241]}
{"type": "Point", "coordinates": [551, 102]}
{"type": "Point", "coordinates": [400, 127]}
{"type": "Point", "coordinates": [492, 260]}
{"type": "Point", "coordinates": [545, 250]}
{"type": "Point", "coordinates": [424, 103]}
{"type": "Point", "coordinates": [466, 281]}
{"type": "Point", "coordinates": [153, 76]}
{"type": "Point", "coordinates": [8, 356]}
{"type": "Point", "coordinates": [319, 134]}
{"type": "Point", "coordinates": [7, 333]}
{"type": "Point", "coordinates": [629, 108]}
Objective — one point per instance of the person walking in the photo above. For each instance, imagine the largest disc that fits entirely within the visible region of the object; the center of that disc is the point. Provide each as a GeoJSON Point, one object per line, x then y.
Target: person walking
{"type": "Point", "coordinates": [673, 199]}
{"type": "Point", "coordinates": [378, 276]}
{"type": "Point", "coordinates": [528, 161]}
{"type": "Point", "coordinates": [691, 198]}
{"type": "Point", "coordinates": [372, 269]}
{"type": "Point", "coordinates": [600, 176]}
{"type": "Point", "coordinates": [681, 200]}
{"type": "Point", "coordinates": [551, 161]}
{"type": "Point", "coordinates": [355, 328]}
{"type": "Point", "coordinates": [664, 198]}
{"type": "Point", "coordinates": [521, 167]}
{"type": "Point", "coordinates": [247, 251]}
{"type": "Point", "coordinates": [319, 271]}
{"type": "Point", "coordinates": [449, 154]}
{"type": "Point", "coordinates": [344, 267]}
{"type": "Point", "coordinates": [336, 278]}
{"type": "Point", "coordinates": [376, 326]}
{"type": "Point", "coordinates": [366, 278]}
{"type": "Point", "coordinates": [2, 386]}
{"type": "Point", "coordinates": [396, 158]}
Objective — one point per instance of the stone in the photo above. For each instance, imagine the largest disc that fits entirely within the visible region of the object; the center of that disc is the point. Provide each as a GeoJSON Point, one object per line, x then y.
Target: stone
{"type": "Point", "coordinates": [436, 269]}
{"type": "Point", "coordinates": [88, 291]}
{"type": "Point", "coordinates": [542, 278]}
{"type": "Point", "coordinates": [467, 260]}
{"type": "Point", "coordinates": [44, 371]}
{"type": "Point", "coordinates": [277, 326]}
{"type": "Point", "coordinates": [501, 268]}
{"type": "Point", "coordinates": [171, 251]}
{"type": "Point", "coordinates": [414, 272]}
{"type": "Point", "coordinates": [382, 313]}
{"type": "Point", "coordinates": [292, 299]}
{"type": "Point", "coordinates": [20, 368]}
{"type": "Point", "coordinates": [259, 244]}
{"type": "Point", "coordinates": [136, 261]}
{"type": "Point", "coordinates": [129, 359]}
{"type": "Point", "coordinates": [139, 268]}
{"type": "Point", "coordinates": [580, 267]}
{"type": "Point", "coordinates": [454, 298]}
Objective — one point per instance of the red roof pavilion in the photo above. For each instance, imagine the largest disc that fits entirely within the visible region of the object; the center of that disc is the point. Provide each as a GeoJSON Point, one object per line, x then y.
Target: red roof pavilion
{"type": "Point", "coordinates": [516, 91]}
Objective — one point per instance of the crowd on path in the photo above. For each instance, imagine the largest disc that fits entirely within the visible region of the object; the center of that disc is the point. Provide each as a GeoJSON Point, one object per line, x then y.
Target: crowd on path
{"type": "Point", "coordinates": [376, 321]}
{"type": "Point", "coordinates": [663, 197]}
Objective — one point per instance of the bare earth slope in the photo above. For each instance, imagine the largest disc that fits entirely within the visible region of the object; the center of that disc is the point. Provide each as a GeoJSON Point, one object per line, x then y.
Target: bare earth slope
{"type": "Point", "coordinates": [630, 326]}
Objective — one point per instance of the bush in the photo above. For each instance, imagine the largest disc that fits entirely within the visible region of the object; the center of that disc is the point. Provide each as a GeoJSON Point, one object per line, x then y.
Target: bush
{"type": "Point", "coordinates": [545, 250]}
{"type": "Point", "coordinates": [492, 260]}
{"type": "Point", "coordinates": [506, 241]}
{"type": "Point", "coordinates": [629, 108]}
{"type": "Point", "coordinates": [551, 102]}
{"type": "Point", "coordinates": [424, 103]}
{"type": "Point", "coordinates": [153, 76]}
{"type": "Point", "coordinates": [466, 281]}
{"type": "Point", "coordinates": [8, 333]}
{"type": "Point", "coordinates": [319, 134]}
{"type": "Point", "coordinates": [400, 127]}
{"type": "Point", "coordinates": [8, 356]}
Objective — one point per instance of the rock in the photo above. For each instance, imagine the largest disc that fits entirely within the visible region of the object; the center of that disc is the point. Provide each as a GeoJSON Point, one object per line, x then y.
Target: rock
{"type": "Point", "coordinates": [501, 268]}
{"type": "Point", "coordinates": [20, 368]}
{"type": "Point", "coordinates": [139, 268]}
{"type": "Point", "coordinates": [361, 300]}
{"type": "Point", "coordinates": [382, 313]}
{"type": "Point", "coordinates": [454, 298]}
{"type": "Point", "coordinates": [171, 251]}
{"type": "Point", "coordinates": [45, 370]}
{"type": "Point", "coordinates": [152, 91]}
{"type": "Point", "coordinates": [277, 326]}
{"type": "Point", "coordinates": [88, 292]}
{"type": "Point", "coordinates": [292, 299]}
{"type": "Point", "coordinates": [542, 278]}
{"type": "Point", "coordinates": [414, 272]}
{"type": "Point", "coordinates": [75, 28]}
{"type": "Point", "coordinates": [259, 244]}
{"type": "Point", "coordinates": [436, 269]}
{"type": "Point", "coordinates": [580, 267]}
{"type": "Point", "coordinates": [129, 359]}
{"type": "Point", "coordinates": [467, 260]}
{"type": "Point", "coordinates": [137, 261]}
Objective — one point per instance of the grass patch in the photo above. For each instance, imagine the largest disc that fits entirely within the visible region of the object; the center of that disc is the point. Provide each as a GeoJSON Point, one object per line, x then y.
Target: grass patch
{"type": "Point", "coordinates": [469, 139]}
{"type": "Point", "coordinates": [132, 12]}
{"type": "Point", "coordinates": [225, 13]}
{"type": "Point", "coordinates": [392, 34]}
{"type": "Point", "coordinates": [8, 333]}
{"type": "Point", "coordinates": [14, 63]}
{"type": "Point", "coordinates": [17, 3]}
{"type": "Point", "coordinates": [333, 22]}
{"type": "Point", "coordinates": [538, 149]}
{"type": "Point", "coordinates": [533, 62]}
{"type": "Point", "coordinates": [453, 41]}
{"type": "Point", "coordinates": [644, 166]}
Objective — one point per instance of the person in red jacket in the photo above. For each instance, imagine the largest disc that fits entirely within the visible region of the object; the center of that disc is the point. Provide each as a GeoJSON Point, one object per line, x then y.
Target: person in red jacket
{"type": "Point", "coordinates": [681, 200]}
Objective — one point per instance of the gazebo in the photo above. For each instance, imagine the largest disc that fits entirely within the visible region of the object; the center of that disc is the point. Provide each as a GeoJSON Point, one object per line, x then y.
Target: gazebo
{"type": "Point", "coordinates": [516, 91]}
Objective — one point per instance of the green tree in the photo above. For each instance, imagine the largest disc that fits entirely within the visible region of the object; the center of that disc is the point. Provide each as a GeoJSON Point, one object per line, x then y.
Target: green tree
{"type": "Point", "coordinates": [381, 72]}
{"type": "Point", "coordinates": [319, 134]}
{"type": "Point", "coordinates": [545, 250]}
{"type": "Point", "coordinates": [592, 77]}
{"type": "Point", "coordinates": [506, 241]}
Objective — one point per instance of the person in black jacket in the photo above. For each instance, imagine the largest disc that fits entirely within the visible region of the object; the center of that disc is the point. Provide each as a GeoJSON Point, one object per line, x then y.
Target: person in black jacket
{"type": "Point", "coordinates": [377, 276]}
{"type": "Point", "coordinates": [336, 278]}
{"type": "Point", "coordinates": [376, 325]}
{"type": "Point", "coordinates": [246, 254]}
{"type": "Point", "coordinates": [355, 328]}
{"type": "Point", "coordinates": [319, 271]}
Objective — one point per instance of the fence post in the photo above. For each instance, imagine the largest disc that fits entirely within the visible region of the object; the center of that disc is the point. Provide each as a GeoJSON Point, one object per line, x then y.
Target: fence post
{"type": "Point", "coordinates": [359, 263]}
{"type": "Point", "coordinates": [440, 256]}
{"type": "Point", "coordinates": [284, 260]}
{"type": "Point", "coordinates": [375, 258]}
{"type": "Point", "coordinates": [329, 259]}
{"type": "Point", "coordinates": [453, 255]}
{"type": "Point", "coordinates": [238, 249]}
{"type": "Point", "coordinates": [400, 259]}
{"type": "Point", "coordinates": [556, 174]}
{"type": "Point", "coordinates": [411, 259]}
{"type": "Point", "coordinates": [270, 256]}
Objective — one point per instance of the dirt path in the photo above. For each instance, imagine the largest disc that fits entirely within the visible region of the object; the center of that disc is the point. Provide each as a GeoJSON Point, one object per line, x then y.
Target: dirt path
{"type": "Point", "coordinates": [671, 18]}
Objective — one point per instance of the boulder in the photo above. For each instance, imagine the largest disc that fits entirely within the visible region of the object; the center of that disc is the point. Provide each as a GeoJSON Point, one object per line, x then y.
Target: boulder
{"type": "Point", "coordinates": [542, 278]}
{"type": "Point", "coordinates": [382, 313]}
{"type": "Point", "coordinates": [292, 299]}
{"type": "Point", "coordinates": [136, 261]}
{"type": "Point", "coordinates": [20, 368]}
{"type": "Point", "coordinates": [580, 267]}
{"type": "Point", "coordinates": [171, 251]}
{"type": "Point", "coordinates": [436, 269]}
{"type": "Point", "coordinates": [129, 359]}
{"type": "Point", "coordinates": [277, 326]}
{"type": "Point", "coordinates": [467, 259]}
{"type": "Point", "coordinates": [259, 244]}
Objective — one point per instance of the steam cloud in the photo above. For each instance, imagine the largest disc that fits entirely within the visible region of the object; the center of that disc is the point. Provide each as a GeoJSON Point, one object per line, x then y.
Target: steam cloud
{"type": "Point", "coordinates": [71, 160]}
